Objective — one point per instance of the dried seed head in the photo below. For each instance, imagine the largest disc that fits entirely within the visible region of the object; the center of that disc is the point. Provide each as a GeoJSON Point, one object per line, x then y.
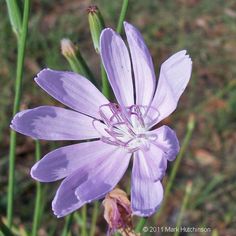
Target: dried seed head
{"type": "Point", "coordinates": [117, 212]}
{"type": "Point", "coordinates": [92, 9]}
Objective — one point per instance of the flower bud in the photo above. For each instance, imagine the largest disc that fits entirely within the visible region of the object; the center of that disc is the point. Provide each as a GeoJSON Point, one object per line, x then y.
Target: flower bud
{"type": "Point", "coordinates": [77, 63]}
{"type": "Point", "coordinates": [15, 16]}
{"type": "Point", "coordinates": [96, 25]}
{"type": "Point", "coordinates": [68, 49]}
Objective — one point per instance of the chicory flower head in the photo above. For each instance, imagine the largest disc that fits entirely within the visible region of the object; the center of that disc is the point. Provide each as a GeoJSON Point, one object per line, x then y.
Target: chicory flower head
{"type": "Point", "coordinates": [116, 131]}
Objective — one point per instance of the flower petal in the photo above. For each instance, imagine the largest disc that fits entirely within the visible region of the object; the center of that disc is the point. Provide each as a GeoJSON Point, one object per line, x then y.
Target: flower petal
{"type": "Point", "coordinates": [174, 77]}
{"type": "Point", "coordinates": [156, 162]}
{"type": "Point", "coordinates": [64, 161]}
{"type": "Point", "coordinates": [116, 61]}
{"type": "Point", "coordinates": [73, 90]}
{"type": "Point", "coordinates": [54, 123]}
{"type": "Point", "coordinates": [91, 181]}
{"type": "Point", "coordinates": [146, 195]}
{"type": "Point", "coordinates": [105, 176]}
{"type": "Point", "coordinates": [65, 200]}
{"type": "Point", "coordinates": [167, 141]}
{"type": "Point", "coordinates": [144, 74]}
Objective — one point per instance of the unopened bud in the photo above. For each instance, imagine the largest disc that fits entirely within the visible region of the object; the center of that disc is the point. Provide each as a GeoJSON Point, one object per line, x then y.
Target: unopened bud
{"type": "Point", "coordinates": [77, 63]}
{"type": "Point", "coordinates": [15, 15]}
{"type": "Point", "coordinates": [96, 25]}
{"type": "Point", "coordinates": [68, 49]}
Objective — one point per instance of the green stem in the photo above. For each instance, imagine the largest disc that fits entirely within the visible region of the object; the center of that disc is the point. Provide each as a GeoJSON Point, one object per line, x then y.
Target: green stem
{"type": "Point", "coordinates": [94, 219]}
{"type": "Point", "coordinates": [19, 75]}
{"type": "Point", "coordinates": [122, 15]}
{"type": "Point", "coordinates": [37, 209]}
{"type": "Point", "coordinates": [85, 69]}
{"type": "Point", "coordinates": [78, 219]}
{"type": "Point", "coordinates": [78, 65]}
{"type": "Point", "coordinates": [84, 217]}
{"type": "Point", "coordinates": [105, 83]}
{"type": "Point", "coordinates": [190, 128]}
{"type": "Point", "coordinates": [140, 225]}
{"type": "Point", "coordinates": [67, 225]}
{"type": "Point", "coordinates": [183, 207]}
{"type": "Point", "coordinates": [207, 189]}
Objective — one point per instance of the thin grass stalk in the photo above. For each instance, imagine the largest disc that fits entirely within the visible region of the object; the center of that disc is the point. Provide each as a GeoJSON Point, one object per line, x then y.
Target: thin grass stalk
{"type": "Point", "coordinates": [78, 218]}
{"type": "Point", "coordinates": [140, 225]}
{"type": "Point", "coordinates": [207, 189]}
{"type": "Point", "coordinates": [94, 219]}
{"type": "Point", "coordinates": [122, 16]}
{"type": "Point", "coordinates": [68, 223]}
{"type": "Point", "coordinates": [190, 128]}
{"type": "Point", "coordinates": [188, 191]}
{"type": "Point", "coordinates": [19, 74]}
{"type": "Point", "coordinates": [84, 219]}
{"type": "Point", "coordinates": [38, 200]}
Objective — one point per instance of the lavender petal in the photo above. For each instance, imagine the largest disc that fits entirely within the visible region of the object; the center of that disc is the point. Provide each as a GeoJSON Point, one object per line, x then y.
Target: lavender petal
{"type": "Point", "coordinates": [116, 60]}
{"type": "Point", "coordinates": [73, 90]}
{"type": "Point", "coordinates": [174, 76]}
{"type": "Point", "coordinates": [167, 141]}
{"type": "Point", "coordinates": [91, 181]}
{"type": "Point", "coordinates": [146, 195]}
{"type": "Point", "coordinates": [54, 123]}
{"type": "Point", "coordinates": [63, 161]}
{"type": "Point", "coordinates": [144, 74]}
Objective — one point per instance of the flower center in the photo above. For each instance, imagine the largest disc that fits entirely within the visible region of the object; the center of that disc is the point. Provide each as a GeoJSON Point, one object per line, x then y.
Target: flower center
{"type": "Point", "coordinates": [124, 127]}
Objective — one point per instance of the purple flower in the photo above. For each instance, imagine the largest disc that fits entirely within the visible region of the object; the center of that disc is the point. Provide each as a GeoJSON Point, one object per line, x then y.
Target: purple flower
{"type": "Point", "coordinates": [116, 131]}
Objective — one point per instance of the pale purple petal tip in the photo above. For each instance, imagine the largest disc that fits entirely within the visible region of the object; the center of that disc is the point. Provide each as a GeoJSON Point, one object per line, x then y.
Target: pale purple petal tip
{"type": "Point", "coordinates": [146, 195]}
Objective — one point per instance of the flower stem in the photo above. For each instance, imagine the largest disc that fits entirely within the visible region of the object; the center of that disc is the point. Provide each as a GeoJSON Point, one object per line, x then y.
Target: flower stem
{"type": "Point", "coordinates": [188, 191]}
{"type": "Point", "coordinates": [67, 225]}
{"type": "Point", "coordinates": [105, 83]}
{"type": "Point", "coordinates": [122, 16]}
{"type": "Point", "coordinates": [37, 209]}
{"type": "Point", "coordinates": [84, 217]}
{"type": "Point", "coordinates": [140, 225]}
{"type": "Point", "coordinates": [84, 69]}
{"type": "Point", "coordinates": [190, 128]}
{"type": "Point", "coordinates": [19, 74]}
{"type": "Point", "coordinates": [94, 219]}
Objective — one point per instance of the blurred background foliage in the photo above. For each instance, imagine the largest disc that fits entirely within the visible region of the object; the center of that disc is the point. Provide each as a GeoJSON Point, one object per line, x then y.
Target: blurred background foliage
{"type": "Point", "coordinates": [207, 29]}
